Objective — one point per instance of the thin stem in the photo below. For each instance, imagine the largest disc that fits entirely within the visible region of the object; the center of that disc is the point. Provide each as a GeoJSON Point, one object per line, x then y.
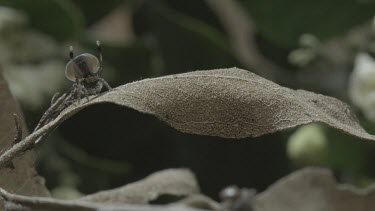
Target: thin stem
{"type": "Point", "coordinates": [47, 123]}
{"type": "Point", "coordinates": [25, 144]}
{"type": "Point", "coordinates": [17, 122]}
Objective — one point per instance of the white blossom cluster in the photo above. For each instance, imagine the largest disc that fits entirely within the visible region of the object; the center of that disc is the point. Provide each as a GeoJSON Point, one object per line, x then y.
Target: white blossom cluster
{"type": "Point", "coordinates": [362, 85]}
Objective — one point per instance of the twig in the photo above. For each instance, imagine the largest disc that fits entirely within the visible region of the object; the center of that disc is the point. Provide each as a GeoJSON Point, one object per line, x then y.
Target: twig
{"type": "Point", "coordinates": [47, 123]}
{"type": "Point", "coordinates": [17, 137]}
{"type": "Point", "coordinates": [25, 144]}
{"type": "Point", "coordinates": [18, 128]}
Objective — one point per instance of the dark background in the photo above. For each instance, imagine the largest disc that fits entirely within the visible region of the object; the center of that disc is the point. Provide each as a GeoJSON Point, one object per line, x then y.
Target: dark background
{"type": "Point", "coordinates": [105, 146]}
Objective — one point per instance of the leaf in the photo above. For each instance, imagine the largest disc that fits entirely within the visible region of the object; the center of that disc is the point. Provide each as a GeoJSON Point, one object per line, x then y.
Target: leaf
{"type": "Point", "coordinates": [230, 103]}
{"type": "Point", "coordinates": [22, 179]}
{"type": "Point", "coordinates": [178, 182]}
{"type": "Point", "coordinates": [15, 202]}
{"type": "Point", "coordinates": [173, 181]}
{"type": "Point", "coordinates": [314, 189]}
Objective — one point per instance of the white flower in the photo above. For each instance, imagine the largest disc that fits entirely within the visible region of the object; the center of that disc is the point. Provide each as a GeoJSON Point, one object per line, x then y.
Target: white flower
{"type": "Point", "coordinates": [308, 145]}
{"type": "Point", "coordinates": [362, 85]}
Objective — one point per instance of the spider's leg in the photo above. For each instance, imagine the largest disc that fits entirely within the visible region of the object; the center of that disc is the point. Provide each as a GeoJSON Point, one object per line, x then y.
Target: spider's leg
{"type": "Point", "coordinates": [106, 84]}
{"type": "Point", "coordinates": [54, 98]}
{"type": "Point", "coordinates": [86, 92]}
{"type": "Point", "coordinates": [98, 87]}
{"type": "Point", "coordinates": [73, 94]}
{"type": "Point", "coordinates": [83, 89]}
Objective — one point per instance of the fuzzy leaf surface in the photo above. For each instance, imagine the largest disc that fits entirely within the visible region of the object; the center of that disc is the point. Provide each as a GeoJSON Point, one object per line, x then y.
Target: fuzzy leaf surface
{"type": "Point", "coordinates": [178, 182]}
{"type": "Point", "coordinates": [229, 103]}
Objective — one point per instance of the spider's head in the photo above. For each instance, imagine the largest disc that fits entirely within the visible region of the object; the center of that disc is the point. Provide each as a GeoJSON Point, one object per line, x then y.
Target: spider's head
{"type": "Point", "coordinates": [82, 66]}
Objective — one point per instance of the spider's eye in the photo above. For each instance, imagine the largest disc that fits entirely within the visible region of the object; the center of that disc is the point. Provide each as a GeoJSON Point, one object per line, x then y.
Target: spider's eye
{"type": "Point", "coordinates": [82, 66]}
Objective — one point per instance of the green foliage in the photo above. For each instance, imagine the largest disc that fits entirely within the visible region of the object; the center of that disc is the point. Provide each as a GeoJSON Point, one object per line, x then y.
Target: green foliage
{"type": "Point", "coordinates": [58, 18]}
{"type": "Point", "coordinates": [192, 43]}
{"type": "Point", "coordinates": [282, 22]}
{"type": "Point", "coordinates": [95, 10]}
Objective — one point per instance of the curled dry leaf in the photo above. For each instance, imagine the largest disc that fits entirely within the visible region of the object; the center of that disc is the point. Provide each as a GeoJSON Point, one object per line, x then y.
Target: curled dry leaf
{"type": "Point", "coordinates": [314, 189]}
{"type": "Point", "coordinates": [15, 202]}
{"type": "Point", "coordinates": [20, 177]}
{"type": "Point", "coordinates": [179, 182]}
{"type": "Point", "coordinates": [230, 103]}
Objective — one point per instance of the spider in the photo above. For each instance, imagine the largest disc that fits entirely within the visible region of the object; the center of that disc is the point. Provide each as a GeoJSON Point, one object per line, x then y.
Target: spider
{"type": "Point", "coordinates": [85, 71]}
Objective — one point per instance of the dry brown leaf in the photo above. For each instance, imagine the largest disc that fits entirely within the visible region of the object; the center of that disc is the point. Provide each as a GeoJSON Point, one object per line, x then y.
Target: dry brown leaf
{"type": "Point", "coordinates": [312, 189]}
{"type": "Point", "coordinates": [15, 202]}
{"type": "Point", "coordinates": [23, 179]}
{"type": "Point", "coordinates": [230, 103]}
{"type": "Point", "coordinates": [178, 182]}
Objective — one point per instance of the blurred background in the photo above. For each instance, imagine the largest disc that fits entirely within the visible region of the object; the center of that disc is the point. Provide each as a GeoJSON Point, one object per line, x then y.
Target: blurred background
{"type": "Point", "coordinates": [321, 46]}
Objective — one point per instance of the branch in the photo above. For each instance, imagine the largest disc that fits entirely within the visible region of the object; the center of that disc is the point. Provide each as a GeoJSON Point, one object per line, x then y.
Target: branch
{"type": "Point", "coordinates": [17, 122]}
{"type": "Point", "coordinates": [46, 124]}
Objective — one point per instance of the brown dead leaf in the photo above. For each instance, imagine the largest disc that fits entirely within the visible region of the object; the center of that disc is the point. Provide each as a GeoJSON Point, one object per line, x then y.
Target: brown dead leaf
{"type": "Point", "coordinates": [15, 202]}
{"type": "Point", "coordinates": [178, 182]}
{"type": "Point", "coordinates": [230, 103]}
{"type": "Point", "coordinates": [312, 189]}
{"type": "Point", "coordinates": [23, 179]}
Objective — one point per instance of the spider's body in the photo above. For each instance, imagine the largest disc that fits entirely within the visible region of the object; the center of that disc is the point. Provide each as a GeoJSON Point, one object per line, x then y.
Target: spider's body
{"type": "Point", "coordinates": [84, 70]}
